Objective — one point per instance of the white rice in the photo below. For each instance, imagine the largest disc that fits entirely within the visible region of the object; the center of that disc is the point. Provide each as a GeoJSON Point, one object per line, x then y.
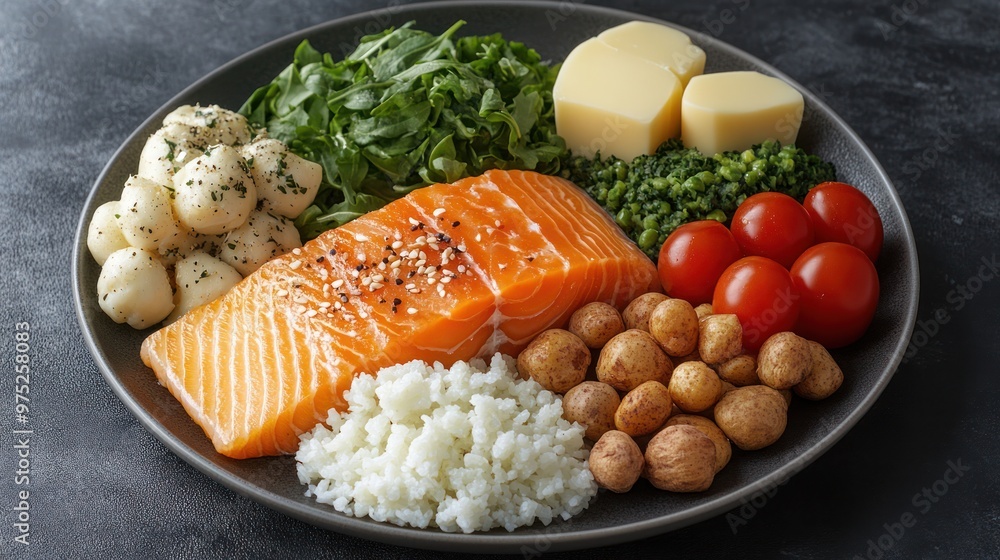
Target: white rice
{"type": "Point", "coordinates": [464, 449]}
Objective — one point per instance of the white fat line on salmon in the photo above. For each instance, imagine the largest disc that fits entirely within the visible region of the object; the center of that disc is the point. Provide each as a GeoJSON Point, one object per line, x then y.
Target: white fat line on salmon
{"type": "Point", "coordinates": [485, 352]}
{"type": "Point", "coordinates": [499, 337]}
{"type": "Point", "coordinates": [260, 324]}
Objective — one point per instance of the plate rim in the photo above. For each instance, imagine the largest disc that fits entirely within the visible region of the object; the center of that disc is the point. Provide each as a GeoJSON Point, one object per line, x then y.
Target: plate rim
{"type": "Point", "coordinates": [475, 542]}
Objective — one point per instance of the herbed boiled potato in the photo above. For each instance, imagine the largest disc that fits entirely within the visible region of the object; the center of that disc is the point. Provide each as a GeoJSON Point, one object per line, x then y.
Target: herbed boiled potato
{"type": "Point", "coordinates": [723, 449]}
{"type": "Point", "coordinates": [632, 358]}
{"type": "Point", "coordinates": [262, 238]}
{"type": "Point", "coordinates": [285, 182]}
{"type": "Point", "coordinates": [166, 151]}
{"type": "Point", "coordinates": [694, 386]}
{"type": "Point", "coordinates": [784, 360]}
{"type": "Point", "coordinates": [104, 236]}
{"type": "Point", "coordinates": [596, 323]}
{"type": "Point", "coordinates": [211, 124]}
{"type": "Point", "coordinates": [186, 132]}
{"type": "Point", "coordinates": [214, 194]}
{"type": "Point", "coordinates": [720, 338]}
{"type": "Point", "coordinates": [189, 242]}
{"type": "Point", "coordinates": [636, 314]}
{"type": "Point", "coordinates": [680, 458]}
{"type": "Point", "coordinates": [134, 288]}
{"type": "Point", "coordinates": [556, 359]}
{"type": "Point", "coordinates": [146, 216]}
{"type": "Point", "coordinates": [674, 325]}
{"type": "Point", "coordinates": [740, 371]}
{"type": "Point", "coordinates": [200, 278]}
{"type": "Point", "coordinates": [644, 409]}
{"type": "Point", "coordinates": [592, 404]}
{"type": "Point", "coordinates": [823, 378]}
{"type": "Point", "coordinates": [616, 461]}
{"type": "Point", "coordinates": [752, 417]}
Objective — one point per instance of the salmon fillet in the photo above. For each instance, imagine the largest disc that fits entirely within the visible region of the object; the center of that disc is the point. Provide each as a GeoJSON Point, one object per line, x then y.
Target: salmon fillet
{"type": "Point", "coordinates": [485, 264]}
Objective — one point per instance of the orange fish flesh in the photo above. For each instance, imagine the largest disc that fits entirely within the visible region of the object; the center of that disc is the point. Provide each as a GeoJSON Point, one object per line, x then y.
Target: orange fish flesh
{"type": "Point", "coordinates": [450, 272]}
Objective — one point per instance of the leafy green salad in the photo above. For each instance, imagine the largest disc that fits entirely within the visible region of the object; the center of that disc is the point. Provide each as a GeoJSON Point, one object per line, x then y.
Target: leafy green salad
{"type": "Point", "coordinates": [407, 109]}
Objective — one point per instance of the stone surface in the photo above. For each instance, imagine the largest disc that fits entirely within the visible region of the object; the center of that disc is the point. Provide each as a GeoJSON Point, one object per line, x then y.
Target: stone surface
{"type": "Point", "coordinates": [917, 80]}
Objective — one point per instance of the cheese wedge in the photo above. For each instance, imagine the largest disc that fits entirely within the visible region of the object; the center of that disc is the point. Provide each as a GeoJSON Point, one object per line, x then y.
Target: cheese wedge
{"type": "Point", "coordinates": [659, 44]}
{"type": "Point", "coordinates": [616, 103]}
{"type": "Point", "coordinates": [735, 110]}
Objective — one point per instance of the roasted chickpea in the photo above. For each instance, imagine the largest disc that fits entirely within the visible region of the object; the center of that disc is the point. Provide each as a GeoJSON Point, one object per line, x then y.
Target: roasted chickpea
{"type": "Point", "coordinates": [740, 371]}
{"type": "Point", "coordinates": [632, 358]}
{"type": "Point", "coordinates": [596, 323]}
{"type": "Point", "coordinates": [784, 360]}
{"type": "Point", "coordinates": [720, 338]}
{"type": "Point", "coordinates": [616, 461]}
{"type": "Point", "coordinates": [674, 325]}
{"type": "Point", "coordinates": [644, 409]}
{"type": "Point", "coordinates": [752, 417]}
{"type": "Point", "coordinates": [556, 359]}
{"type": "Point", "coordinates": [823, 378]}
{"type": "Point", "coordinates": [694, 386]}
{"type": "Point", "coordinates": [680, 459]}
{"type": "Point", "coordinates": [592, 404]}
{"type": "Point", "coordinates": [636, 314]}
{"type": "Point", "coordinates": [703, 310]}
{"type": "Point", "coordinates": [723, 449]}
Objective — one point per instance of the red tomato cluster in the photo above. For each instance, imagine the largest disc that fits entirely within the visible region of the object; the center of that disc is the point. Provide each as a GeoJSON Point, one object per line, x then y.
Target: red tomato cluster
{"type": "Point", "coordinates": [807, 268]}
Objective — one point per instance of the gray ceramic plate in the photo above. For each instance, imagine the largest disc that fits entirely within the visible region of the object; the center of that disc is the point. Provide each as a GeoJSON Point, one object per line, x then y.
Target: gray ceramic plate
{"type": "Point", "coordinates": [553, 29]}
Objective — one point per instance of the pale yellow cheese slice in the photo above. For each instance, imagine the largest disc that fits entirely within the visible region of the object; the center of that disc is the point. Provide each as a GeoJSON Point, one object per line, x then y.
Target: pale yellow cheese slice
{"type": "Point", "coordinates": [659, 44]}
{"type": "Point", "coordinates": [735, 110]}
{"type": "Point", "coordinates": [614, 102]}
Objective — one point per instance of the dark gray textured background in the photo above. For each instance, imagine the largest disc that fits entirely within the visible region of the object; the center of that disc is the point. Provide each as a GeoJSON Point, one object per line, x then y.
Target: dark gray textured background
{"type": "Point", "coordinates": [917, 79]}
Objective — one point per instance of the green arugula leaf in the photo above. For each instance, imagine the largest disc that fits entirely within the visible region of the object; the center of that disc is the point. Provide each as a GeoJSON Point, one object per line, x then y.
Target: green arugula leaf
{"type": "Point", "coordinates": [407, 109]}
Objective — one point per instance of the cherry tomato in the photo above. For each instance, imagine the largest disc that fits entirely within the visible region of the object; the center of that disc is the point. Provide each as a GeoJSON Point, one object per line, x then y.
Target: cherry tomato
{"type": "Point", "coordinates": [838, 287]}
{"type": "Point", "coordinates": [693, 258]}
{"type": "Point", "coordinates": [840, 212]}
{"type": "Point", "coordinates": [773, 225]}
{"type": "Point", "coordinates": [760, 292]}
